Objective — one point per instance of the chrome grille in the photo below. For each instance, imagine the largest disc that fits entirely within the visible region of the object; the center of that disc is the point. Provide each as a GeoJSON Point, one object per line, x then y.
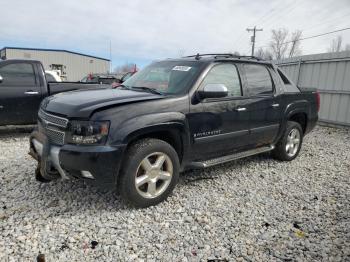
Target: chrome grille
{"type": "Point", "coordinates": [55, 136]}
{"type": "Point", "coordinates": [52, 119]}
{"type": "Point", "coordinates": [51, 126]}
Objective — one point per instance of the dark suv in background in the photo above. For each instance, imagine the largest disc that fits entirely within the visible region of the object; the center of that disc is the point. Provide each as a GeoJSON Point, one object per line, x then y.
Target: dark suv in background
{"type": "Point", "coordinates": [176, 114]}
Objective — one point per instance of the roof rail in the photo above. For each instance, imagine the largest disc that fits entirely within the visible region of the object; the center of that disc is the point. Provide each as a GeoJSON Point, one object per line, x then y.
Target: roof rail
{"type": "Point", "coordinates": [225, 55]}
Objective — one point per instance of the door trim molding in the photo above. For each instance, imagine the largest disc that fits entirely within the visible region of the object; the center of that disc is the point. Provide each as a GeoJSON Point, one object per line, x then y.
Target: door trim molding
{"type": "Point", "coordinates": [228, 135]}
{"type": "Point", "coordinates": [264, 128]}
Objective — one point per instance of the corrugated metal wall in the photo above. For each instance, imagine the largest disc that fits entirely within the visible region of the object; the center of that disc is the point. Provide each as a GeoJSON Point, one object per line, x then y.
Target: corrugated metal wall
{"type": "Point", "coordinates": [77, 66]}
{"type": "Point", "coordinates": [330, 74]}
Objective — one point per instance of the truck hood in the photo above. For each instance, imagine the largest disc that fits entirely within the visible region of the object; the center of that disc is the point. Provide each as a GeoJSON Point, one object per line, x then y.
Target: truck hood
{"type": "Point", "coordinates": [82, 103]}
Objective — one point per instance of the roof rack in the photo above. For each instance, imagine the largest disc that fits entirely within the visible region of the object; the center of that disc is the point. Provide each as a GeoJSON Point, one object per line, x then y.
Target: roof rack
{"type": "Point", "coordinates": [225, 55]}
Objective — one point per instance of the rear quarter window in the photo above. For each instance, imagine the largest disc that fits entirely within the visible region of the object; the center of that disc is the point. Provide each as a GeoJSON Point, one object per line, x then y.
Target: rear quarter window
{"type": "Point", "coordinates": [289, 87]}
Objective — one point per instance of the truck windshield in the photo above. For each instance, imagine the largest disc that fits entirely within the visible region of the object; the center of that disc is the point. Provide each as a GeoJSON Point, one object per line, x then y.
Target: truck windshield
{"type": "Point", "coordinates": [167, 77]}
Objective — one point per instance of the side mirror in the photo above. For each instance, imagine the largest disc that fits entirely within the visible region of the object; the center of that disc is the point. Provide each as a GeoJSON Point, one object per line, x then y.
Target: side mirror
{"type": "Point", "coordinates": [213, 91]}
{"type": "Point", "coordinates": [1, 79]}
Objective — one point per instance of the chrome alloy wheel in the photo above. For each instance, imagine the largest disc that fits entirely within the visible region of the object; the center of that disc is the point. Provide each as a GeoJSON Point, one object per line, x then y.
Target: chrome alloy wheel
{"type": "Point", "coordinates": [154, 175]}
{"type": "Point", "coordinates": [293, 142]}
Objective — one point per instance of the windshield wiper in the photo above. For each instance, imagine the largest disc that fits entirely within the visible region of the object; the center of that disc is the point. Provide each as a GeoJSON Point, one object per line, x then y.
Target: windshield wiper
{"type": "Point", "coordinates": [124, 86]}
{"type": "Point", "coordinates": [148, 89]}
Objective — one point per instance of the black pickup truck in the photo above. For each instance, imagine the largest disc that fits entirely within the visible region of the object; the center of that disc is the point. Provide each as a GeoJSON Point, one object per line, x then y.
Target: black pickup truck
{"type": "Point", "coordinates": [176, 114]}
{"type": "Point", "coordinates": [23, 85]}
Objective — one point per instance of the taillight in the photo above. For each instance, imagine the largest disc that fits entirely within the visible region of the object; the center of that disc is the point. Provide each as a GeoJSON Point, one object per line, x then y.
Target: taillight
{"type": "Point", "coordinates": [318, 101]}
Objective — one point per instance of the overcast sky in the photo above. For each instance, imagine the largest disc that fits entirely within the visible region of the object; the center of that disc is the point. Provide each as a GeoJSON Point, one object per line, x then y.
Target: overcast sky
{"type": "Point", "coordinates": [144, 30]}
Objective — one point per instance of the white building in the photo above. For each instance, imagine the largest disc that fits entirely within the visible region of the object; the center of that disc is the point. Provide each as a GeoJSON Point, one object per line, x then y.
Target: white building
{"type": "Point", "coordinates": [72, 65]}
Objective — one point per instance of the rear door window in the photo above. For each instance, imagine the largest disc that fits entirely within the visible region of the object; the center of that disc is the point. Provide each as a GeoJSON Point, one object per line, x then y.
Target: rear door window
{"type": "Point", "coordinates": [18, 74]}
{"type": "Point", "coordinates": [258, 80]}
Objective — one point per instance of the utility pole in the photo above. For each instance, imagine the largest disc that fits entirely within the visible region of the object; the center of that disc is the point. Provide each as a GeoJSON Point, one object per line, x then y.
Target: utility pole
{"type": "Point", "coordinates": [110, 56]}
{"type": "Point", "coordinates": [254, 30]}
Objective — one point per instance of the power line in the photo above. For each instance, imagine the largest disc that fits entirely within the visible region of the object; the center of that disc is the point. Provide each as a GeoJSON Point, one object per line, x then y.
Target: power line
{"type": "Point", "coordinates": [326, 22]}
{"type": "Point", "coordinates": [276, 9]}
{"type": "Point", "coordinates": [283, 13]}
{"type": "Point", "coordinates": [314, 36]}
{"type": "Point", "coordinates": [276, 12]}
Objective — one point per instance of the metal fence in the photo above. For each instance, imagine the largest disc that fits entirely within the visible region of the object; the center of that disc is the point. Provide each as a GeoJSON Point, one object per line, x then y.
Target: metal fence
{"type": "Point", "coordinates": [330, 74]}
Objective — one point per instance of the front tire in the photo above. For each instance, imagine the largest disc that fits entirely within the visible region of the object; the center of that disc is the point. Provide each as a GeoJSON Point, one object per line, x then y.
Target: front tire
{"type": "Point", "coordinates": [39, 177]}
{"type": "Point", "coordinates": [150, 172]}
{"type": "Point", "coordinates": [290, 143]}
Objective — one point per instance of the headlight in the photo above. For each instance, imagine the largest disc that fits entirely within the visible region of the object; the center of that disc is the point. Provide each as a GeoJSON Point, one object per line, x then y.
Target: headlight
{"type": "Point", "coordinates": [88, 132]}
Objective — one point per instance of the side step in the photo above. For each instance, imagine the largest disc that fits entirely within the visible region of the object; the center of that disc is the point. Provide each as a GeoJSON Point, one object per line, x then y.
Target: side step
{"type": "Point", "coordinates": [228, 158]}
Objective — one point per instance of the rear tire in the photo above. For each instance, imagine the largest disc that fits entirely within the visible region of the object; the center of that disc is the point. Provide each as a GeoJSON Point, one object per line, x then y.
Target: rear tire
{"type": "Point", "coordinates": [290, 143]}
{"type": "Point", "coordinates": [150, 173]}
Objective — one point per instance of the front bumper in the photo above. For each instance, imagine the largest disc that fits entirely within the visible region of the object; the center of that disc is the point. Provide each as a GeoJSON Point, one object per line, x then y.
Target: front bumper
{"type": "Point", "coordinates": [98, 164]}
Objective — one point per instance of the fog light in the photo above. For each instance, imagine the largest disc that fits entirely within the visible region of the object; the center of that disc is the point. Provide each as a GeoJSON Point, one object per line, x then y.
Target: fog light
{"type": "Point", "coordinates": [87, 174]}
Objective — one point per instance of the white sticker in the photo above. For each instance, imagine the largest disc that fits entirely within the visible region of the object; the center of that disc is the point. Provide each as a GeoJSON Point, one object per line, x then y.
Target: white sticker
{"type": "Point", "coordinates": [182, 68]}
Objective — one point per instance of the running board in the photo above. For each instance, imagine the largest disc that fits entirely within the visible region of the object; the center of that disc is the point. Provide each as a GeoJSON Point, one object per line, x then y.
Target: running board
{"type": "Point", "coordinates": [228, 158]}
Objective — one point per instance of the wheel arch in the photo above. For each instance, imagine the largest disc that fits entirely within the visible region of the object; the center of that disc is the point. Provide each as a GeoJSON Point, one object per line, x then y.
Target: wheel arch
{"type": "Point", "coordinates": [298, 112]}
{"type": "Point", "coordinates": [299, 117]}
{"type": "Point", "coordinates": [173, 133]}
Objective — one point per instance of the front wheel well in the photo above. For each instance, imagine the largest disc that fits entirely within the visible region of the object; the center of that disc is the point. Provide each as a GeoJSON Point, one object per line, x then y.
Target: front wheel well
{"type": "Point", "coordinates": [300, 118]}
{"type": "Point", "coordinates": [172, 137]}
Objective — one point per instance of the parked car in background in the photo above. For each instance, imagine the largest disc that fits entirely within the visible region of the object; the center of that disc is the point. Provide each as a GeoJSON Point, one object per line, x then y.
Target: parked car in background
{"type": "Point", "coordinates": [23, 85]}
{"type": "Point", "coordinates": [52, 76]}
{"type": "Point", "coordinates": [107, 79]}
{"type": "Point", "coordinates": [176, 114]}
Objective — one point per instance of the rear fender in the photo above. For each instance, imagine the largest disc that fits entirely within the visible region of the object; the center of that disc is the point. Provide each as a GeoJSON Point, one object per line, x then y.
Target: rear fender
{"type": "Point", "coordinates": [300, 106]}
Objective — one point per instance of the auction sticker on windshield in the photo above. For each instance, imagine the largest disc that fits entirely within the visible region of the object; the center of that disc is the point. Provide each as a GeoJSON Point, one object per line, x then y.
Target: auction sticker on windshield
{"type": "Point", "coordinates": [182, 68]}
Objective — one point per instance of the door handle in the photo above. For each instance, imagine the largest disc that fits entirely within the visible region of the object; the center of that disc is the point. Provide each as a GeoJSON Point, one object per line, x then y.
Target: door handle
{"type": "Point", "coordinates": [275, 105]}
{"type": "Point", "coordinates": [31, 93]}
{"type": "Point", "coordinates": [240, 109]}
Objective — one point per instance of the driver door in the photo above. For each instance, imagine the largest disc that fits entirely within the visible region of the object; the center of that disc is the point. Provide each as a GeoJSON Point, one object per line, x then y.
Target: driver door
{"type": "Point", "coordinates": [220, 126]}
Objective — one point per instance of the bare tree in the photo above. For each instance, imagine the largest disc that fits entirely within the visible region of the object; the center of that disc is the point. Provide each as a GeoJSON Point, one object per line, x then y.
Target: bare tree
{"type": "Point", "coordinates": [127, 67]}
{"type": "Point", "coordinates": [260, 52]}
{"type": "Point", "coordinates": [181, 52]}
{"type": "Point", "coordinates": [282, 46]}
{"type": "Point", "coordinates": [295, 49]}
{"type": "Point", "coordinates": [336, 45]}
{"type": "Point", "coordinates": [277, 45]}
{"type": "Point", "coordinates": [264, 54]}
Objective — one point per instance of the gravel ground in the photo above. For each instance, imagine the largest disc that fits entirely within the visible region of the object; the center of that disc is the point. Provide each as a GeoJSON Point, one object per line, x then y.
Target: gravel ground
{"type": "Point", "coordinates": [254, 209]}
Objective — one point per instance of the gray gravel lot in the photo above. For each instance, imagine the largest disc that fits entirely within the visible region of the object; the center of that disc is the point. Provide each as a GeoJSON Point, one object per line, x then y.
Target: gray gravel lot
{"type": "Point", "coordinates": [254, 209]}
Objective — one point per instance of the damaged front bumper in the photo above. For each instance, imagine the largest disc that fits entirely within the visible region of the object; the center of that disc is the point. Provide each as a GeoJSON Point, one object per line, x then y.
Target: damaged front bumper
{"type": "Point", "coordinates": [97, 164]}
